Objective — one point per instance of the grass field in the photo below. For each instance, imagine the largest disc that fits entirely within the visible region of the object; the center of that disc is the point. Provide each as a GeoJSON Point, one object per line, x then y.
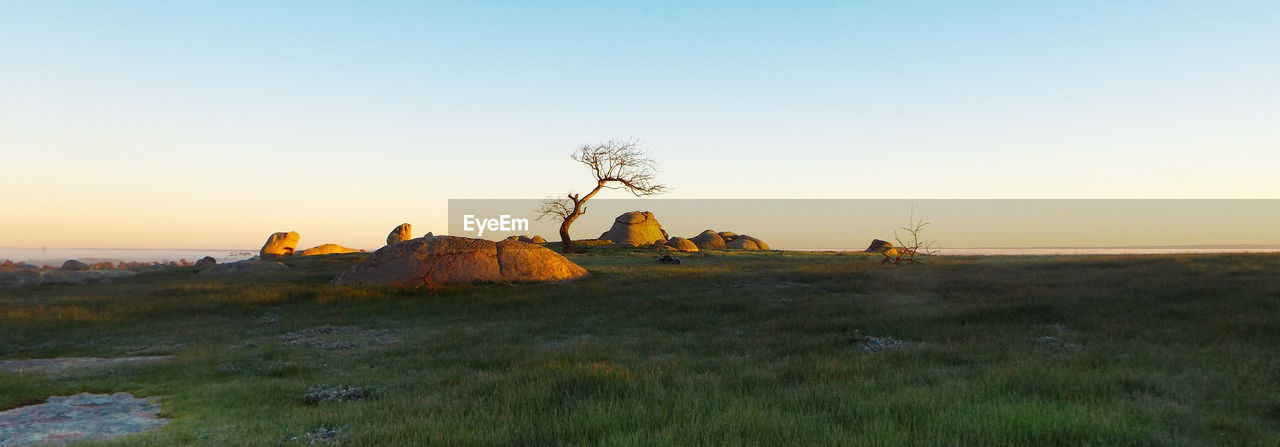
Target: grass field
{"type": "Point", "coordinates": [730, 349]}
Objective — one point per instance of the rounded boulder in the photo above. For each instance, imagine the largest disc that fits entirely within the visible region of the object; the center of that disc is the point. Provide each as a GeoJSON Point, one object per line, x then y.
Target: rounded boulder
{"type": "Point", "coordinates": [682, 244]}
{"type": "Point", "coordinates": [635, 229]}
{"type": "Point", "coordinates": [280, 244]}
{"type": "Point", "coordinates": [744, 242]}
{"type": "Point", "coordinates": [452, 259]}
{"type": "Point", "coordinates": [708, 240]}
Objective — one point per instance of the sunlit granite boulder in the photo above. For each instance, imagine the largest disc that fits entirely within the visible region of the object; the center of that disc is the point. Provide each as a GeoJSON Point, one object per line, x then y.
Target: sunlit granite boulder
{"type": "Point", "coordinates": [327, 249]}
{"type": "Point", "coordinates": [280, 244]}
{"type": "Point", "coordinates": [401, 233]}
{"type": "Point", "coordinates": [708, 240]}
{"type": "Point", "coordinates": [744, 242]}
{"type": "Point", "coordinates": [635, 229]}
{"type": "Point", "coordinates": [879, 246]}
{"type": "Point", "coordinates": [682, 244]}
{"type": "Point", "coordinates": [451, 259]}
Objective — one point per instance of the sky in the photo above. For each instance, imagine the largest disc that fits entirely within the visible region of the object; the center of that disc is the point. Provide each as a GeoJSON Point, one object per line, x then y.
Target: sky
{"type": "Point", "coordinates": [211, 125]}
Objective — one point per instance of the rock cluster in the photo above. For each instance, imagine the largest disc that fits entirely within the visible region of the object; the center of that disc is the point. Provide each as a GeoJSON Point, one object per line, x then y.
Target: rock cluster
{"type": "Point", "coordinates": [284, 244]}
{"type": "Point", "coordinates": [641, 229]}
{"type": "Point", "coordinates": [710, 239]}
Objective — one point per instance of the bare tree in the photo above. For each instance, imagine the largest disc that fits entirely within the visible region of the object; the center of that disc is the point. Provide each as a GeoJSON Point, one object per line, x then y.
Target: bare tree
{"type": "Point", "coordinates": [906, 251]}
{"type": "Point", "coordinates": [615, 164]}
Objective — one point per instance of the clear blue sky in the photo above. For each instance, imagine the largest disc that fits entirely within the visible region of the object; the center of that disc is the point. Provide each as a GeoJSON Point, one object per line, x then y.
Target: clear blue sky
{"type": "Point", "coordinates": [178, 124]}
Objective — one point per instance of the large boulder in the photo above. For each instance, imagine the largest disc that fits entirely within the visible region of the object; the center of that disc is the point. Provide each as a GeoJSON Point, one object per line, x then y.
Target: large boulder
{"type": "Point", "coordinates": [327, 249]}
{"type": "Point", "coordinates": [744, 242]}
{"type": "Point", "coordinates": [401, 233]}
{"type": "Point", "coordinates": [452, 259]}
{"type": "Point", "coordinates": [280, 244]}
{"type": "Point", "coordinates": [682, 244]}
{"type": "Point", "coordinates": [708, 240]}
{"type": "Point", "coordinates": [635, 229]}
{"type": "Point", "coordinates": [74, 265]}
{"type": "Point", "coordinates": [245, 266]}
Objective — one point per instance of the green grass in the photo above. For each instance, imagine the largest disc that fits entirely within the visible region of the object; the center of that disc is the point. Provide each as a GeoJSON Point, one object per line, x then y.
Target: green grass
{"type": "Point", "coordinates": [730, 349]}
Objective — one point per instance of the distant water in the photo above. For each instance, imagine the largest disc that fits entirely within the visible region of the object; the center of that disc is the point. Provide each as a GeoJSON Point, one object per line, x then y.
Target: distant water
{"type": "Point", "coordinates": [1090, 251]}
{"type": "Point", "coordinates": [56, 256]}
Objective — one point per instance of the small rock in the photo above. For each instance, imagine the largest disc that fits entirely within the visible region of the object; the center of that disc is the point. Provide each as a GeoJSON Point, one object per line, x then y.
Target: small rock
{"type": "Point", "coordinates": [74, 266]}
{"type": "Point", "coordinates": [873, 345]}
{"type": "Point", "coordinates": [1057, 344]}
{"type": "Point", "coordinates": [317, 395]}
{"type": "Point", "coordinates": [206, 262]}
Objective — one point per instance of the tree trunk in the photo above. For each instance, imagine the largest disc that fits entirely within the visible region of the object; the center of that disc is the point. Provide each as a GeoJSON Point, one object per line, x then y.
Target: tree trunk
{"type": "Point", "coordinates": [566, 244]}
